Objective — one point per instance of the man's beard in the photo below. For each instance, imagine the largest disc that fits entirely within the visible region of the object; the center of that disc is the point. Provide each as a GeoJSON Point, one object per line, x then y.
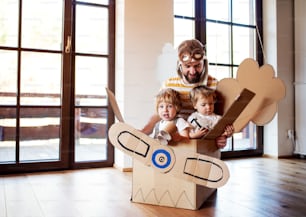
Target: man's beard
{"type": "Point", "coordinates": [193, 79]}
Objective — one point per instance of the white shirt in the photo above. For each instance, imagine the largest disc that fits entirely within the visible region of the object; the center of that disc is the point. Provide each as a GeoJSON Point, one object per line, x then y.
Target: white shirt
{"type": "Point", "coordinates": [181, 124]}
{"type": "Point", "coordinates": [198, 120]}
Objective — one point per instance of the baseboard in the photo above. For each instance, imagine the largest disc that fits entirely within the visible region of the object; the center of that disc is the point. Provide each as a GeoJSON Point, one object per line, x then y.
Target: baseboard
{"type": "Point", "coordinates": [300, 156]}
{"type": "Point", "coordinates": [278, 157]}
{"type": "Point", "coordinates": [270, 156]}
{"type": "Point", "coordinates": [123, 169]}
{"type": "Point", "coordinates": [286, 156]}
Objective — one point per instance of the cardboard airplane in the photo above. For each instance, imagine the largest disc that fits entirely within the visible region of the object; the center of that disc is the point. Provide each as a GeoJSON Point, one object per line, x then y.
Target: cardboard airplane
{"type": "Point", "coordinates": [194, 165]}
{"type": "Point", "coordinates": [198, 168]}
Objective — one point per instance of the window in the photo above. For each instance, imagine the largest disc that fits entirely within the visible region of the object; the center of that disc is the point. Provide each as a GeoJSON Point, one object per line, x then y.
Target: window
{"type": "Point", "coordinates": [57, 57]}
{"type": "Point", "coordinates": [231, 32]}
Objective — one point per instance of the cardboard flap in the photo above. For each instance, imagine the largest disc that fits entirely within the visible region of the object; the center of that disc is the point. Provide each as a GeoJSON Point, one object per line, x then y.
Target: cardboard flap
{"type": "Point", "coordinates": [114, 105]}
{"type": "Point", "coordinates": [242, 100]}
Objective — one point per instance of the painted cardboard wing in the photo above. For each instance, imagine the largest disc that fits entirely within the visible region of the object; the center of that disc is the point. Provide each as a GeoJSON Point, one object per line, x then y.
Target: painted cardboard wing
{"type": "Point", "coordinates": [198, 168]}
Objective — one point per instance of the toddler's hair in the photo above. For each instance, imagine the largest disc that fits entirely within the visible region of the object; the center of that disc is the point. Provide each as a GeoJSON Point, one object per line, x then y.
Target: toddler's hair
{"type": "Point", "coordinates": [169, 95]}
{"type": "Point", "coordinates": [200, 92]}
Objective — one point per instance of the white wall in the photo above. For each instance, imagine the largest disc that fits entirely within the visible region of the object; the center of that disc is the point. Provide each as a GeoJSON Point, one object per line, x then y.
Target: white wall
{"type": "Point", "coordinates": [279, 52]}
{"type": "Point", "coordinates": [143, 28]}
{"type": "Point", "coordinates": [300, 75]}
{"type": "Point", "coordinates": [285, 57]}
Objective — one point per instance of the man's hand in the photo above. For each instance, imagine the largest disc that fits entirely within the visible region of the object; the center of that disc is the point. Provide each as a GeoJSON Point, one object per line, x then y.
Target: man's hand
{"type": "Point", "coordinates": [221, 141]}
{"type": "Point", "coordinates": [228, 131]}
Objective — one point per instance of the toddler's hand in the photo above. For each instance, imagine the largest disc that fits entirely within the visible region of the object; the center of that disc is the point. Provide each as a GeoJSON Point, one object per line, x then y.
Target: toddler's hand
{"type": "Point", "coordinates": [229, 131]}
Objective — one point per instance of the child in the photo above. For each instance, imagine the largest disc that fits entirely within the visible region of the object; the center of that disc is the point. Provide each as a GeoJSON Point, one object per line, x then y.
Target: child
{"type": "Point", "coordinates": [168, 104]}
{"type": "Point", "coordinates": [204, 118]}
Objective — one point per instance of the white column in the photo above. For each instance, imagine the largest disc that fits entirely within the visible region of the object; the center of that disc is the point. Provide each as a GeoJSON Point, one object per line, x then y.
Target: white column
{"type": "Point", "coordinates": [143, 27]}
{"type": "Point", "coordinates": [279, 52]}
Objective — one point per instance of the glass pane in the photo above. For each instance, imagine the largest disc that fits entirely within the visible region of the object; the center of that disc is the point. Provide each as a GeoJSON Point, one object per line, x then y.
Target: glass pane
{"type": "Point", "coordinates": [91, 77]}
{"type": "Point", "coordinates": [91, 30]}
{"type": "Point", "coordinates": [183, 29]}
{"type": "Point", "coordinates": [183, 8]}
{"type": "Point", "coordinates": [8, 75]}
{"type": "Point", "coordinates": [90, 134]}
{"type": "Point", "coordinates": [218, 43]}
{"type": "Point", "coordinates": [246, 139]}
{"type": "Point", "coordinates": [42, 24]}
{"type": "Point", "coordinates": [40, 79]}
{"type": "Point", "coordinates": [244, 11]}
{"type": "Point", "coordinates": [9, 22]}
{"type": "Point", "coordinates": [39, 134]}
{"type": "Point", "coordinates": [218, 10]}
{"type": "Point", "coordinates": [219, 72]}
{"type": "Point", "coordinates": [7, 134]}
{"type": "Point", "coordinates": [243, 43]}
{"type": "Point", "coordinates": [235, 72]}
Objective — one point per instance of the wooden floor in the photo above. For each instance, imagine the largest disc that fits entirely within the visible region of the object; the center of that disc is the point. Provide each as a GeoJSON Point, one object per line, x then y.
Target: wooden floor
{"type": "Point", "coordinates": [257, 187]}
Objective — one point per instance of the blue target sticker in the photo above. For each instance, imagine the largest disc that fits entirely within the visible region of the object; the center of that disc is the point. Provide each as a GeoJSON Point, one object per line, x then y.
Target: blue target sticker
{"type": "Point", "coordinates": [161, 158]}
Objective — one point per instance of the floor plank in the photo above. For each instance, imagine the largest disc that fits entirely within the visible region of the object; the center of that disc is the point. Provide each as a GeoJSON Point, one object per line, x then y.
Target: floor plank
{"type": "Point", "coordinates": [257, 187]}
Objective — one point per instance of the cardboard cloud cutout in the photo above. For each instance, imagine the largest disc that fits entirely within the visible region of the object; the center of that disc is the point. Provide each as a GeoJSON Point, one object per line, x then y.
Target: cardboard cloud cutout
{"type": "Point", "coordinates": [260, 80]}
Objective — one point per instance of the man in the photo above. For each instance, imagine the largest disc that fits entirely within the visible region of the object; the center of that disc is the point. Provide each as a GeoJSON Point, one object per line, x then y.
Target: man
{"type": "Point", "coordinates": [192, 69]}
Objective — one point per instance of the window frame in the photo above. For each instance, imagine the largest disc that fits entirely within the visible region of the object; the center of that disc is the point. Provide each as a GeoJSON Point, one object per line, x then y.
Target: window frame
{"type": "Point", "coordinates": [200, 26]}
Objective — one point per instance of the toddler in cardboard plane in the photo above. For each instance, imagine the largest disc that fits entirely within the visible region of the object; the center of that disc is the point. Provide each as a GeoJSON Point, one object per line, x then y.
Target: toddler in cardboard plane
{"type": "Point", "coordinates": [175, 128]}
{"type": "Point", "coordinates": [204, 118]}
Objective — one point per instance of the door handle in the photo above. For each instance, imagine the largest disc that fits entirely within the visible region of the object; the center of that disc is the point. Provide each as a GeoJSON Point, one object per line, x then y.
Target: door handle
{"type": "Point", "coordinates": [68, 44]}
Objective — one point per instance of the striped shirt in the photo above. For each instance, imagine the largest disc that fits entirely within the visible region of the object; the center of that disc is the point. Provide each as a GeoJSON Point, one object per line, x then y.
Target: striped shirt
{"type": "Point", "coordinates": [178, 84]}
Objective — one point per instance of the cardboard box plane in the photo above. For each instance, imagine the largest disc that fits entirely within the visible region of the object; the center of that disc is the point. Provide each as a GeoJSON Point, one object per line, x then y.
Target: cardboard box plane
{"type": "Point", "coordinates": [186, 173]}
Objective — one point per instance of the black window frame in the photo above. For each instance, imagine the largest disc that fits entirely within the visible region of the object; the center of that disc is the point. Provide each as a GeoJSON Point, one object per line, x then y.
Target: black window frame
{"type": "Point", "coordinates": [200, 22]}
